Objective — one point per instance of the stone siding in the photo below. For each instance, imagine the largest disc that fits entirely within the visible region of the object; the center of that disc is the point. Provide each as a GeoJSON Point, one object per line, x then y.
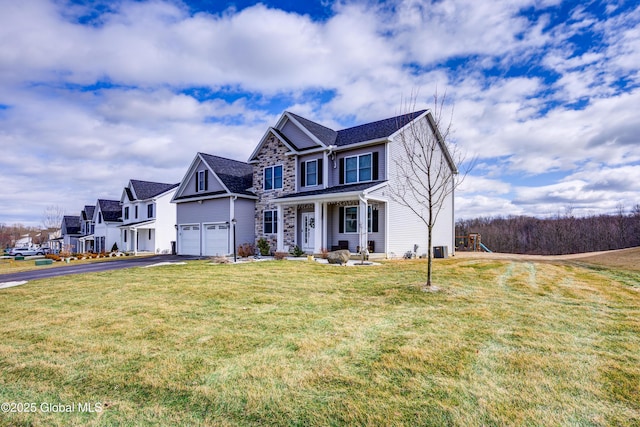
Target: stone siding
{"type": "Point", "coordinates": [273, 153]}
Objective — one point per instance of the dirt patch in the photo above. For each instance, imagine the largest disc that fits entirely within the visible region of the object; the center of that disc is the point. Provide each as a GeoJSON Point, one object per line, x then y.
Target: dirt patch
{"type": "Point", "coordinates": [628, 259]}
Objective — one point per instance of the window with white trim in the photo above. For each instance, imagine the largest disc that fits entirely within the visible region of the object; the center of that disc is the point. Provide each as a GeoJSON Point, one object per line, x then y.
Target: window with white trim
{"type": "Point", "coordinates": [351, 219]}
{"type": "Point", "coordinates": [358, 168]}
{"type": "Point", "coordinates": [270, 222]}
{"type": "Point", "coordinates": [202, 180]}
{"type": "Point", "coordinates": [273, 177]}
{"type": "Point", "coordinates": [311, 174]}
{"type": "Point", "coordinates": [150, 210]}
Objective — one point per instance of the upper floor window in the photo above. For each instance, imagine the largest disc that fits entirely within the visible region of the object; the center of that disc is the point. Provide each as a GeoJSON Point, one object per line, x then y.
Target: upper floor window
{"type": "Point", "coordinates": [99, 217]}
{"type": "Point", "coordinates": [273, 177]}
{"type": "Point", "coordinates": [136, 212]}
{"type": "Point", "coordinates": [150, 210]}
{"type": "Point", "coordinates": [126, 213]}
{"type": "Point", "coordinates": [311, 173]}
{"type": "Point", "coordinates": [360, 168]}
{"type": "Point", "coordinates": [202, 180]}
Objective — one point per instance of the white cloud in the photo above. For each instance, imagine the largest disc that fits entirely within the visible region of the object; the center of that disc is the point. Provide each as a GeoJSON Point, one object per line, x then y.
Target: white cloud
{"type": "Point", "coordinates": [146, 118]}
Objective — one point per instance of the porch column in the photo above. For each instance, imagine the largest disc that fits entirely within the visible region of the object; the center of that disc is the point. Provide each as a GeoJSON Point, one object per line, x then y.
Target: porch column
{"type": "Point", "coordinates": [135, 241]}
{"type": "Point", "coordinates": [280, 233]}
{"type": "Point", "coordinates": [318, 229]}
{"type": "Point", "coordinates": [325, 229]}
{"type": "Point", "coordinates": [363, 223]}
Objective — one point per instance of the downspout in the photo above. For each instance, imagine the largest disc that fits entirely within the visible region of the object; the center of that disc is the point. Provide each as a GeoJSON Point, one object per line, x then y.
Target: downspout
{"type": "Point", "coordinates": [232, 217]}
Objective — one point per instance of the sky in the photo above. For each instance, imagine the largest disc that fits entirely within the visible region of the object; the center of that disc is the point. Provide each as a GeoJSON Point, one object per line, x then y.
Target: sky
{"type": "Point", "coordinates": [543, 94]}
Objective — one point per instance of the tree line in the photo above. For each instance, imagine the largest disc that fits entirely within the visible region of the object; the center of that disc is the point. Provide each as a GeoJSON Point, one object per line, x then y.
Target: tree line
{"type": "Point", "coordinates": [10, 234]}
{"type": "Point", "coordinates": [558, 235]}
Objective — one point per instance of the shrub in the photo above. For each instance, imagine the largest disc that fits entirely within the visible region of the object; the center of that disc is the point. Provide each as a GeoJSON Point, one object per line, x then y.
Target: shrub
{"type": "Point", "coordinates": [53, 257]}
{"type": "Point", "coordinates": [114, 248]}
{"type": "Point", "coordinates": [281, 255]}
{"type": "Point", "coordinates": [264, 247]}
{"type": "Point", "coordinates": [297, 251]}
{"type": "Point", "coordinates": [246, 249]}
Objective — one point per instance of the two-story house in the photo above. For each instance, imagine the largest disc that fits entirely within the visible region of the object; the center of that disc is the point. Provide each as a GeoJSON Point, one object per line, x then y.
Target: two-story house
{"type": "Point", "coordinates": [107, 217]}
{"type": "Point", "coordinates": [215, 206]}
{"type": "Point", "coordinates": [148, 217]}
{"type": "Point", "coordinates": [320, 188]}
{"type": "Point", "coordinates": [317, 188]}
{"type": "Point", "coordinates": [87, 228]}
{"type": "Point", "coordinates": [70, 232]}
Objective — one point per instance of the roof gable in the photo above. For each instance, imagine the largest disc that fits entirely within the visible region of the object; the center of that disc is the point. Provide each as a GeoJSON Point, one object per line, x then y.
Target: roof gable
{"type": "Point", "coordinates": [87, 212]}
{"type": "Point", "coordinates": [232, 177]}
{"type": "Point", "coordinates": [111, 210]}
{"type": "Point", "coordinates": [236, 176]}
{"type": "Point", "coordinates": [322, 135]}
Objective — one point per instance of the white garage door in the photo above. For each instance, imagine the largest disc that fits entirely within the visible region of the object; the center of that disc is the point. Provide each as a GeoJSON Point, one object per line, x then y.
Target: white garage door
{"type": "Point", "coordinates": [189, 240]}
{"type": "Point", "coordinates": [216, 239]}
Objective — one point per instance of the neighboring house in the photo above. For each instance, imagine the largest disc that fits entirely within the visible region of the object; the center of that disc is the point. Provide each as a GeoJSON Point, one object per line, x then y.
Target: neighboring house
{"type": "Point", "coordinates": [87, 228]}
{"type": "Point", "coordinates": [54, 240]}
{"type": "Point", "coordinates": [107, 217]}
{"type": "Point", "coordinates": [148, 217]}
{"type": "Point", "coordinates": [70, 233]}
{"type": "Point", "coordinates": [320, 188]}
{"type": "Point", "coordinates": [25, 241]}
{"type": "Point", "coordinates": [214, 206]}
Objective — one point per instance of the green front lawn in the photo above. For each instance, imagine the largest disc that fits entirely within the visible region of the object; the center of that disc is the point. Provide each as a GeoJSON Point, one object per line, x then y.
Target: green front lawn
{"type": "Point", "coordinates": [298, 343]}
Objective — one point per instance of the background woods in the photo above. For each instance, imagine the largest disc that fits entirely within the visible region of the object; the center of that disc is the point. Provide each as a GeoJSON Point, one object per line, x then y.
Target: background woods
{"type": "Point", "coordinates": [562, 234]}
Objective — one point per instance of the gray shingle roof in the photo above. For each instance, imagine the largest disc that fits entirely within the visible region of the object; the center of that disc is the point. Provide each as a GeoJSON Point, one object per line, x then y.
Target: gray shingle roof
{"type": "Point", "coordinates": [366, 132]}
{"type": "Point", "coordinates": [235, 175]}
{"type": "Point", "coordinates": [146, 189]}
{"type": "Point", "coordinates": [71, 224]}
{"type": "Point", "coordinates": [87, 212]}
{"type": "Point", "coordinates": [111, 210]}
{"type": "Point", "coordinates": [375, 130]}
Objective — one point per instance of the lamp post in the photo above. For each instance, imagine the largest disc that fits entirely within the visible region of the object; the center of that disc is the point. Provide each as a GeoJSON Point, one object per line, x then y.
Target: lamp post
{"type": "Point", "coordinates": [235, 256]}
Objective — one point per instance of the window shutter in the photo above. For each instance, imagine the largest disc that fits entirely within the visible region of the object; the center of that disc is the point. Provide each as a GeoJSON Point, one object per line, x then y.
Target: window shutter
{"type": "Point", "coordinates": [374, 220]}
{"type": "Point", "coordinates": [206, 180]}
{"type": "Point", "coordinates": [319, 171]}
{"type": "Point", "coordinates": [197, 183]}
{"type": "Point", "coordinates": [374, 172]}
{"type": "Point", "coordinates": [341, 220]}
{"type": "Point", "coordinates": [341, 171]}
{"type": "Point", "coordinates": [303, 174]}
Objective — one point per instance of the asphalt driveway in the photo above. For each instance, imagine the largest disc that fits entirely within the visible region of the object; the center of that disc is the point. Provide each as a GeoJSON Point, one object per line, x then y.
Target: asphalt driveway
{"type": "Point", "coordinates": [127, 262]}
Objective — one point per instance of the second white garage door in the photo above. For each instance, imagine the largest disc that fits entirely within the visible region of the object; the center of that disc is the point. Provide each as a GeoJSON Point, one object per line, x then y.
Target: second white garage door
{"type": "Point", "coordinates": [190, 240]}
{"type": "Point", "coordinates": [216, 239]}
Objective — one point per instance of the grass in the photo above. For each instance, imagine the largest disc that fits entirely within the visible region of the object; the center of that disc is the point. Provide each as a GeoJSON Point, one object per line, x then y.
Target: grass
{"type": "Point", "coordinates": [297, 343]}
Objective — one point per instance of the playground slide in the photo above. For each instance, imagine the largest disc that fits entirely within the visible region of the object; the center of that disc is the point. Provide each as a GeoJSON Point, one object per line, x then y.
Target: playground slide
{"type": "Point", "coordinates": [486, 249]}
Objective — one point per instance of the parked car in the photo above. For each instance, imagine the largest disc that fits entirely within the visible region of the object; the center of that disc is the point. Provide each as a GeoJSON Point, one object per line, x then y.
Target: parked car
{"type": "Point", "coordinates": [25, 252]}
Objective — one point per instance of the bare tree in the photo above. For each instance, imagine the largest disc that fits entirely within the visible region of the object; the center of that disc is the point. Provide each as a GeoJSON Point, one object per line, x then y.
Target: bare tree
{"type": "Point", "coordinates": [52, 217]}
{"type": "Point", "coordinates": [427, 171]}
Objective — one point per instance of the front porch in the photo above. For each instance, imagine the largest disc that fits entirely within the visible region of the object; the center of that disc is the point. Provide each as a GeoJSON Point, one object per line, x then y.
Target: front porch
{"type": "Point", "coordinates": [332, 223]}
{"type": "Point", "coordinates": [138, 237]}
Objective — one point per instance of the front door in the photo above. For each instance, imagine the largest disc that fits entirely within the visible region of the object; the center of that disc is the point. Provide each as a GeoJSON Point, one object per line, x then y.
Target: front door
{"type": "Point", "coordinates": [308, 231]}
